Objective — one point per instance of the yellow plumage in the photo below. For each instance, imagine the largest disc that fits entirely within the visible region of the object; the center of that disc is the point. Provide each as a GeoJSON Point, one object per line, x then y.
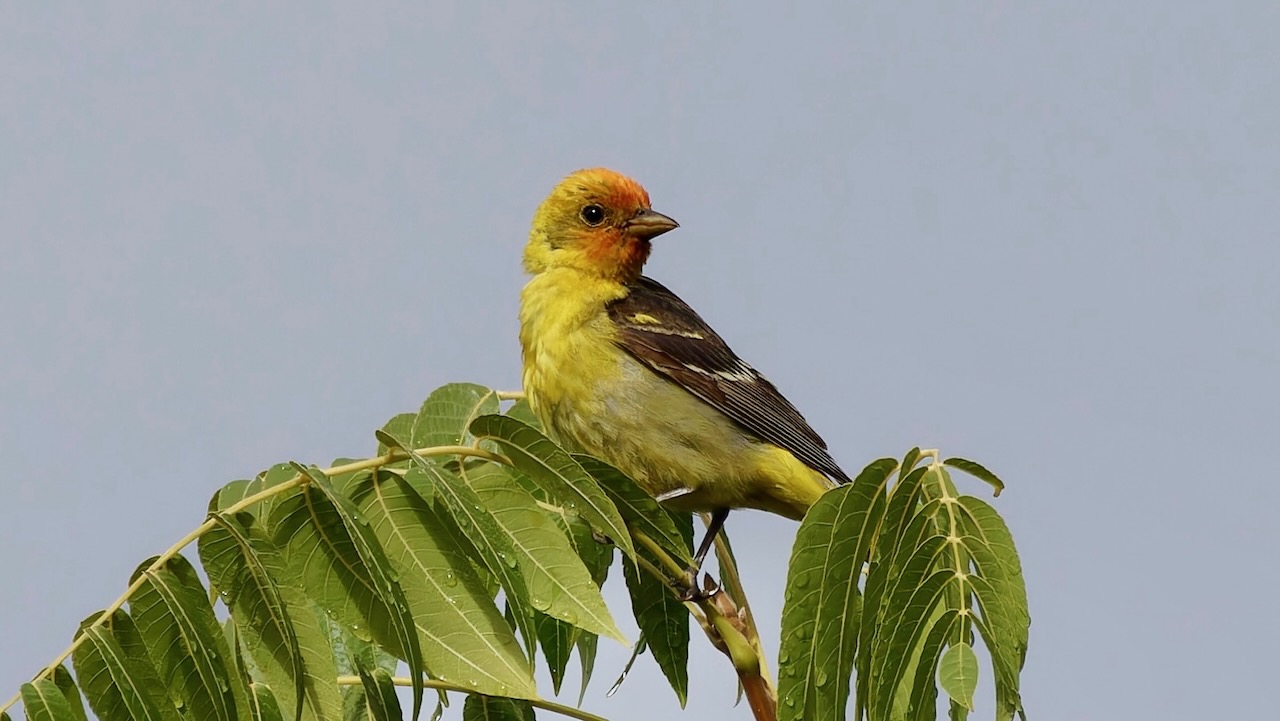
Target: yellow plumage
{"type": "Point", "coordinates": [593, 383]}
{"type": "Point", "coordinates": [594, 397]}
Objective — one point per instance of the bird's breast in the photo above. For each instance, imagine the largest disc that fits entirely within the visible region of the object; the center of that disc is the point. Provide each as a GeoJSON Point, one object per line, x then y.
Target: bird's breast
{"type": "Point", "coordinates": [568, 349]}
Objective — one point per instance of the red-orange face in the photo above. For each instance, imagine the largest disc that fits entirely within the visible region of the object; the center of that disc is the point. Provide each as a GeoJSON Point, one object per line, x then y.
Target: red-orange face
{"type": "Point", "coordinates": [596, 220]}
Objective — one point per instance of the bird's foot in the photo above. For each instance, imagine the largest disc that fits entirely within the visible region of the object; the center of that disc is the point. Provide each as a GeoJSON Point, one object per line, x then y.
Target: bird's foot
{"type": "Point", "coordinates": [695, 593]}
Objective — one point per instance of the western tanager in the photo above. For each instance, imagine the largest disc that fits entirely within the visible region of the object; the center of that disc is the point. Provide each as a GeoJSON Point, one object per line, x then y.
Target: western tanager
{"type": "Point", "coordinates": [617, 366]}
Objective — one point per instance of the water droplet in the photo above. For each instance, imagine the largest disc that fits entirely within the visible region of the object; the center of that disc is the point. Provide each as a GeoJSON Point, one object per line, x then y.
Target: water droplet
{"type": "Point", "coordinates": [450, 579]}
{"type": "Point", "coordinates": [822, 677]}
{"type": "Point", "coordinates": [539, 603]}
{"type": "Point", "coordinates": [570, 617]}
{"type": "Point", "coordinates": [790, 700]}
{"type": "Point", "coordinates": [509, 560]}
{"type": "Point", "coordinates": [802, 581]}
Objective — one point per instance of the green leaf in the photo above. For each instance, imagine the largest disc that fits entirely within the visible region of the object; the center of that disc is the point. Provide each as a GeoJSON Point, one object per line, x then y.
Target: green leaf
{"type": "Point", "coordinates": [556, 472]}
{"type": "Point", "coordinates": [116, 673]}
{"type": "Point", "coordinates": [910, 629]}
{"type": "Point", "coordinates": [275, 622]}
{"type": "Point", "coordinates": [380, 574]}
{"type": "Point", "coordinates": [822, 610]}
{"type": "Point", "coordinates": [938, 484]}
{"type": "Point", "coordinates": [488, 708]}
{"type": "Point", "coordinates": [42, 700]}
{"type": "Point", "coordinates": [446, 414]}
{"type": "Point", "coordinates": [464, 638]}
{"type": "Point", "coordinates": [958, 674]}
{"type": "Point", "coordinates": [350, 651]}
{"type": "Point", "coordinates": [67, 685]}
{"type": "Point", "coordinates": [587, 645]}
{"type": "Point", "coordinates": [278, 474]}
{"type": "Point", "coordinates": [904, 501]}
{"type": "Point", "coordinates": [320, 557]}
{"type": "Point", "coordinates": [490, 542]}
{"type": "Point", "coordinates": [920, 700]}
{"type": "Point", "coordinates": [171, 610]}
{"type": "Point", "coordinates": [346, 480]}
{"type": "Point", "coordinates": [594, 550]}
{"type": "Point", "coordinates": [903, 561]}
{"type": "Point", "coordinates": [663, 619]}
{"type": "Point", "coordinates": [557, 639]}
{"type": "Point", "coordinates": [559, 582]}
{"type": "Point", "coordinates": [977, 471]}
{"type": "Point", "coordinates": [353, 654]}
{"type": "Point", "coordinates": [956, 558]}
{"type": "Point", "coordinates": [399, 427]}
{"type": "Point", "coordinates": [641, 512]}
{"type": "Point", "coordinates": [597, 555]}
{"type": "Point", "coordinates": [355, 705]}
{"type": "Point", "coordinates": [1002, 598]}
{"type": "Point", "coordinates": [523, 412]}
{"type": "Point", "coordinates": [909, 462]}
{"type": "Point", "coordinates": [229, 494]}
{"type": "Point", "coordinates": [263, 703]}
{"type": "Point", "coordinates": [904, 498]}
{"type": "Point", "coordinates": [236, 663]}
{"type": "Point", "coordinates": [380, 700]}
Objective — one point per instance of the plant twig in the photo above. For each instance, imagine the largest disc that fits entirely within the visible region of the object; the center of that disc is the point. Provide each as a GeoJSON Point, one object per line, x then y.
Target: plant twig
{"type": "Point", "coordinates": [727, 631]}
{"type": "Point", "coordinates": [446, 686]}
{"type": "Point", "coordinates": [732, 582]}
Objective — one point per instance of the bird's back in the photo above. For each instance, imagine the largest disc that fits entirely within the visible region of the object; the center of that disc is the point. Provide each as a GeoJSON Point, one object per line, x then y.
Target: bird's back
{"type": "Point", "coordinates": [594, 394]}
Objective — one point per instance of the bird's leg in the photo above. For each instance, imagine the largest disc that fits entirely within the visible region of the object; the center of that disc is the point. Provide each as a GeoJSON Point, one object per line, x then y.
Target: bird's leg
{"type": "Point", "coordinates": [718, 517]}
{"type": "Point", "coordinates": [692, 591]}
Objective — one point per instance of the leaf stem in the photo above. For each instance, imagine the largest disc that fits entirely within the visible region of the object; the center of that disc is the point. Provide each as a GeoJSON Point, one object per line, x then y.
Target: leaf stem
{"type": "Point", "coordinates": [446, 686]}
{"type": "Point", "coordinates": [958, 556]}
{"type": "Point", "coordinates": [732, 582]}
{"type": "Point", "coordinates": [663, 557]}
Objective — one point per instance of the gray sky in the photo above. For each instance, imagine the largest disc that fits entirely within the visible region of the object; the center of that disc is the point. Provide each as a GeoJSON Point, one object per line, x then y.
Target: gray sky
{"type": "Point", "coordinates": [1041, 237]}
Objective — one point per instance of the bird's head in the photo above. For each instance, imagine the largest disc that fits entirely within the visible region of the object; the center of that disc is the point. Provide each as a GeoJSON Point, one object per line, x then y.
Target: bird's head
{"type": "Point", "coordinates": [596, 221]}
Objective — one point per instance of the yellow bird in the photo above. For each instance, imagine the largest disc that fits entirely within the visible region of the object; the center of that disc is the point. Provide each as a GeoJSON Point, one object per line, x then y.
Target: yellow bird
{"type": "Point", "coordinates": [617, 366]}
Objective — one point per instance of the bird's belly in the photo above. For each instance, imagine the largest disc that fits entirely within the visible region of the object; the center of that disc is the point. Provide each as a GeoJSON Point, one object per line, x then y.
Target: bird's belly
{"type": "Point", "coordinates": [669, 441]}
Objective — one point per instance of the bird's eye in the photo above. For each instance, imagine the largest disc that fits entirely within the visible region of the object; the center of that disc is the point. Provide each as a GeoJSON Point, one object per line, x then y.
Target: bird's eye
{"type": "Point", "coordinates": [593, 214]}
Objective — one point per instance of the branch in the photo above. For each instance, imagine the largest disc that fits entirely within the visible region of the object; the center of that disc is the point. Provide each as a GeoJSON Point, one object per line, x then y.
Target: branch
{"type": "Point", "coordinates": [727, 631]}
{"type": "Point", "coordinates": [446, 686]}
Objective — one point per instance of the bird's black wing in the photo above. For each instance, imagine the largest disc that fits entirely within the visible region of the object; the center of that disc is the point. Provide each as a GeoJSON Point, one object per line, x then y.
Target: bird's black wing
{"type": "Point", "coordinates": [665, 334]}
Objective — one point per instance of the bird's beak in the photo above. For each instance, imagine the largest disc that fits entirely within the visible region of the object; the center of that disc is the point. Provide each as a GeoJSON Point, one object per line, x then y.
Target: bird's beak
{"type": "Point", "coordinates": [649, 224]}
